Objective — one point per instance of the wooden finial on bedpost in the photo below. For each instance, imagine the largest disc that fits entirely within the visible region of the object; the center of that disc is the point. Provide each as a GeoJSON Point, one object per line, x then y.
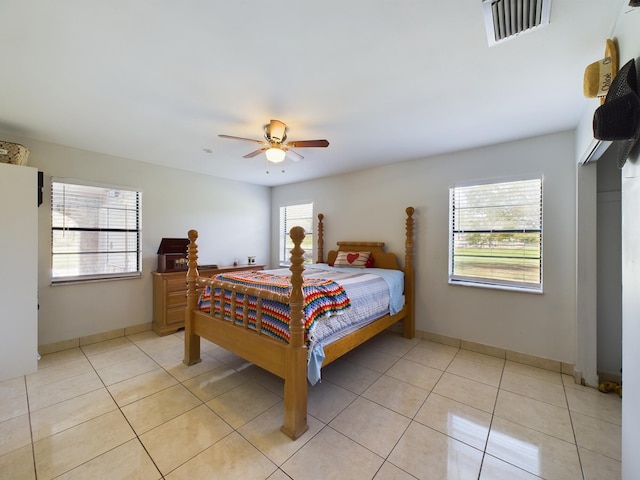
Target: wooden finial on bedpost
{"type": "Point", "coordinates": [320, 239]}
{"type": "Point", "coordinates": [408, 245]}
{"type": "Point", "coordinates": [409, 275]}
{"type": "Point", "coordinates": [192, 342]}
{"type": "Point", "coordinates": [295, 384]}
{"type": "Point", "coordinates": [192, 255]}
{"type": "Point", "coordinates": [296, 325]}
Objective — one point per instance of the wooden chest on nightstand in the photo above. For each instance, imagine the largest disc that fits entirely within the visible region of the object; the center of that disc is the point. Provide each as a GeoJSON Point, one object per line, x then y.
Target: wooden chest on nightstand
{"type": "Point", "coordinates": [170, 296]}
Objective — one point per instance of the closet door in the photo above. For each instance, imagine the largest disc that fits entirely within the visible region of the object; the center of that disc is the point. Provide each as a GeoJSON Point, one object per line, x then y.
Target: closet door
{"type": "Point", "coordinates": [18, 270]}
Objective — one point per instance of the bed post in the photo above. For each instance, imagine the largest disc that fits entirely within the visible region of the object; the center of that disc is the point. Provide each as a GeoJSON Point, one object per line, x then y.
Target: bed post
{"type": "Point", "coordinates": [191, 341]}
{"type": "Point", "coordinates": [409, 277]}
{"type": "Point", "coordinates": [295, 381]}
{"type": "Point", "coordinates": [320, 239]}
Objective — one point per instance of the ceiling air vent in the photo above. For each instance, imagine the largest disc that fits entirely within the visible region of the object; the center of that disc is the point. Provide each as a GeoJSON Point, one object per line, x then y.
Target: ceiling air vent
{"type": "Point", "coordinates": [505, 19]}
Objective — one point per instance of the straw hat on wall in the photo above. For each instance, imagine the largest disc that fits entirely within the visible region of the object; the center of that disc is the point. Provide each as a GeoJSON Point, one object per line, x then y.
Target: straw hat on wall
{"type": "Point", "coordinates": [599, 75]}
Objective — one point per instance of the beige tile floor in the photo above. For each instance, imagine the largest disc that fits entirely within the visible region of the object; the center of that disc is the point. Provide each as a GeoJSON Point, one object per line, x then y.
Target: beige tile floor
{"type": "Point", "coordinates": [393, 409]}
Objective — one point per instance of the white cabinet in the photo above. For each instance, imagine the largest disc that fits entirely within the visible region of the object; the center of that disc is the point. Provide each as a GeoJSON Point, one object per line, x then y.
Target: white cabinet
{"type": "Point", "coordinates": [18, 270]}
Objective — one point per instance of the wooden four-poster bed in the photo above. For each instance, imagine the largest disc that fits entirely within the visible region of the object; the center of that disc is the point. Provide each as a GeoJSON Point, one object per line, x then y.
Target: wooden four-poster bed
{"type": "Point", "coordinates": [239, 320]}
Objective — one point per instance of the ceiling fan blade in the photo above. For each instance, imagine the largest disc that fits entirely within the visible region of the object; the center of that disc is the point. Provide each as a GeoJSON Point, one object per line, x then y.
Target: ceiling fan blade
{"type": "Point", "coordinates": [255, 153]}
{"type": "Point", "coordinates": [241, 138]}
{"type": "Point", "coordinates": [296, 157]}
{"type": "Point", "coordinates": [308, 143]}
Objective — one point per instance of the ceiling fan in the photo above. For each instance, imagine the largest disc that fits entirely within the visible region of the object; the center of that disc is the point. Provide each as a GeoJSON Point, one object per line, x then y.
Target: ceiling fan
{"type": "Point", "coordinates": [275, 146]}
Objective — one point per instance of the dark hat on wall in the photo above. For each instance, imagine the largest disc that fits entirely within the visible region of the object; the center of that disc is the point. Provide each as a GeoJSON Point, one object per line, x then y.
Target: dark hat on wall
{"type": "Point", "coordinates": [618, 118]}
{"type": "Point", "coordinates": [599, 75]}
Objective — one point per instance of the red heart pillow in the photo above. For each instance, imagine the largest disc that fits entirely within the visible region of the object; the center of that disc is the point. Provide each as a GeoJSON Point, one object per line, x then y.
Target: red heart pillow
{"type": "Point", "coordinates": [352, 259]}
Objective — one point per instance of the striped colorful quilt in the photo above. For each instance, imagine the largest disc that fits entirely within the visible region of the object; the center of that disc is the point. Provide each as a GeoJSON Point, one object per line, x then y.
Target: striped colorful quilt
{"type": "Point", "coordinates": [322, 298]}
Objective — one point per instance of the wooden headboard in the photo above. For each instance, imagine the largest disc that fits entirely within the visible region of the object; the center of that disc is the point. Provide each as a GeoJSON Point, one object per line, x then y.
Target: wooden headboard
{"type": "Point", "coordinates": [382, 259]}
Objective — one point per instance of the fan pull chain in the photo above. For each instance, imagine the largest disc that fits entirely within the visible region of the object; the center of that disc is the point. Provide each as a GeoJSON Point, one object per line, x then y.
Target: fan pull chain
{"type": "Point", "coordinates": [267, 170]}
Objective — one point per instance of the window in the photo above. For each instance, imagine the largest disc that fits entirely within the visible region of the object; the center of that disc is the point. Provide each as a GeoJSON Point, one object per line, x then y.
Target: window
{"type": "Point", "coordinates": [292, 216]}
{"type": "Point", "coordinates": [496, 234]}
{"type": "Point", "coordinates": [95, 232]}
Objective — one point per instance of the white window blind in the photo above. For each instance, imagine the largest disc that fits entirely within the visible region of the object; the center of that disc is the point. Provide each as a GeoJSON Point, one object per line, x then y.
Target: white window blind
{"type": "Point", "coordinates": [291, 216]}
{"type": "Point", "coordinates": [496, 234]}
{"type": "Point", "coordinates": [95, 232]}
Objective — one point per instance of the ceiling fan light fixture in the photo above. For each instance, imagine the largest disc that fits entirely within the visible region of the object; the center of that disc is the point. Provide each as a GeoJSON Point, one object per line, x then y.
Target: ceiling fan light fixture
{"type": "Point", "coordinates": [274, 145]}
{"type": "Point", "coordinates": [275, 131]}
{"type": "Point", "coordinates": [275, 155]}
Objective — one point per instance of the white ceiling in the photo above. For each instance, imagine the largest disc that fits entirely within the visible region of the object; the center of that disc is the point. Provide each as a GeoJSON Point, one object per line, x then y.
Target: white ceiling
{"type": "Point", "coordinates": [384, 81]}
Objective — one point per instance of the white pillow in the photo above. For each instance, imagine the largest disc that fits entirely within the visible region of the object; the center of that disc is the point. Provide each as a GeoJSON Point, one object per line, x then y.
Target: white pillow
{"type": "Point", "coordinates": [352, 259]}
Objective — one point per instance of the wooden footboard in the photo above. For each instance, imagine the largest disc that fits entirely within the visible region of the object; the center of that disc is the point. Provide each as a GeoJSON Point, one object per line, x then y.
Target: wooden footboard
{"type": "Point", "coordinates": [286, 360]}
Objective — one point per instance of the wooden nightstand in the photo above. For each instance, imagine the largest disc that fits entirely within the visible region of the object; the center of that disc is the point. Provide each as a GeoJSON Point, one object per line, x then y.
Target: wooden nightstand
{"type": "Point", "coordinates": [170, 296]}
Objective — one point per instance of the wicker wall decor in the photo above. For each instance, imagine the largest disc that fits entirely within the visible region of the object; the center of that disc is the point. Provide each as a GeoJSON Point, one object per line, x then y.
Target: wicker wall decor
{"type": "Point", "coordinates": [13, 153]}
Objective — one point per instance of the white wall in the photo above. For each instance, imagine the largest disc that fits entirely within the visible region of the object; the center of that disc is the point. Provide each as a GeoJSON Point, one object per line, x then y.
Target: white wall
{"type": "Point", "coordinates": [231, 217]}
{"type": "Point", "coordinates": [594, 316]}
{"type": "Point", "coordinates": [369, 205]}
{"type": "Point", "coordinates": [627, 32]}
{"type": "Point", "coordinates": [630, 321]}
{"type": "Point", "coordinates": [18, 271]}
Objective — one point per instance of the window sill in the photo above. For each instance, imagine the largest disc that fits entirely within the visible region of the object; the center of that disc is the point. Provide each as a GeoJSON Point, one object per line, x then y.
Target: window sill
{"type": "Point", "coordinates": [491, 286]}
{"type": "Point", "coordinates": [94, 280]}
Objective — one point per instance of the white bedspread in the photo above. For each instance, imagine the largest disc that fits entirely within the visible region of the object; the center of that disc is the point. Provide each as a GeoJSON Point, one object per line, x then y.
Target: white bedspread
{"type": "Point", "coordinates": [373, 292]}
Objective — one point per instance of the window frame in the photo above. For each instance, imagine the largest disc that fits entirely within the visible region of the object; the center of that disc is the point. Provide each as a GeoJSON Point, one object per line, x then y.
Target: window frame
{"type": "Point", "coordinates": [284, 241]}
{"type": "Point", "coordinates": [488, 282]}
{"type": "Point", "coordinates": [111, 227]}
